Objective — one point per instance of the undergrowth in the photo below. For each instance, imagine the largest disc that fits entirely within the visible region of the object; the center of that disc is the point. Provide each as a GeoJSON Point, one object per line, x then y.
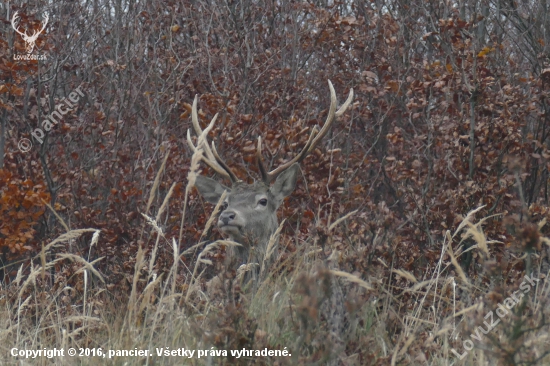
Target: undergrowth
{"type": "Point", "coordinates": [304, 304]}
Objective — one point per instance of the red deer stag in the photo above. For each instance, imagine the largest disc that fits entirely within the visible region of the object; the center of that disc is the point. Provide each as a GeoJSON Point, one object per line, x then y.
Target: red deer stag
{"type": "Point", "coordinates": [249, 215]}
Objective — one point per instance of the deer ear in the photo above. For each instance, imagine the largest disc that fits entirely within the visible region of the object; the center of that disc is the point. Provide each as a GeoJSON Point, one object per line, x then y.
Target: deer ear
{"type": "Point", "coordinates": [210, 189]}
{"type": "Point", "coordinates": [285, 183]}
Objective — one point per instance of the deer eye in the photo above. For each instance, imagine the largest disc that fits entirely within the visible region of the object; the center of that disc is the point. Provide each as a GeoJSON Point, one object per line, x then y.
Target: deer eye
{"type": "Point", "coordinates": [263, 202]}
{"type": "Point", "coordinates": [224, 206]}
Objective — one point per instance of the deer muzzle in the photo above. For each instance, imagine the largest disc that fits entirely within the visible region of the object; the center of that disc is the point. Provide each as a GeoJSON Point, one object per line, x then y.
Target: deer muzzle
{"type": "Point", "coordinates": [230, 223]}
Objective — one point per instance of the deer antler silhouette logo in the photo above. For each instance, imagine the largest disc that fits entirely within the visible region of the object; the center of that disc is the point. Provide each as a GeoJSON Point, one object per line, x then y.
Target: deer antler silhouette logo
{"type": "Point", "coordinates": [30, 40]}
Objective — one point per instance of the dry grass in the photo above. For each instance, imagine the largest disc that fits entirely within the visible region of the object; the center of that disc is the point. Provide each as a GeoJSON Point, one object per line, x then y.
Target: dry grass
{"type": "Point", "coordinates": [291, 307]}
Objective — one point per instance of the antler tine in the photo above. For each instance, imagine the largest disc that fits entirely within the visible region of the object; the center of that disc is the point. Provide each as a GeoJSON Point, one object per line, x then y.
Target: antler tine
{"type": "Point", "coordinates": [211, 163]}
{"type": "Point", "coordinates": [212, 159]}
{"type": "Point", "coordinates": [346, 104]}
{"type": "Point", "coordinates": [198, 130]}
{"type": "Point", "coordinates": [316, 136]}
{"type": "Point", "coordinates": [232, 175]}
{"type": "Point", "coordinates": [265, 176]}
{"type": "Point", "coordinates": [329, 120]}
{"type": "Point", "coordinates": [331, 114]}
{"type": "Point", "coordinates": [297, 159]}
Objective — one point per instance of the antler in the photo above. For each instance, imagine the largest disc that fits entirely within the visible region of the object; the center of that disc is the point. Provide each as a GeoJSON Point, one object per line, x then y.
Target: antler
{"type": "Point", "coordinates": [212, 159]}
{"type": "Point", "coordinates": [314, 138]}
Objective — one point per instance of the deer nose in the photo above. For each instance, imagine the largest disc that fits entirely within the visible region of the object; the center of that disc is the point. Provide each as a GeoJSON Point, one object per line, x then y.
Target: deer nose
{"type": "Point", "coordinates": [227, 216]}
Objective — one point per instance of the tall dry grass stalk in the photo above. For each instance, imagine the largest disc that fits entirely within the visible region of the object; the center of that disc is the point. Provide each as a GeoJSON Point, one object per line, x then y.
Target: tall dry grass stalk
{"type": "Point", "coordinates": [201, 260]}
{"type": "Point", "coordinates": [195, 166]}
{"type": "Point", "coordinates": [271, 247]}
{"type": "Point", "coordinates": [156, 183]}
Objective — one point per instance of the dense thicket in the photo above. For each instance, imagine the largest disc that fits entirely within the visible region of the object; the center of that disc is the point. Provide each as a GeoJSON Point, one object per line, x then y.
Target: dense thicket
{"type": "Point", "coordinates": [451, 112]}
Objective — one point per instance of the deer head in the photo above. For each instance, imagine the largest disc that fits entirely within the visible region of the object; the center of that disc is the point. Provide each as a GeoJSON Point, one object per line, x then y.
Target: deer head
{"type": "Point", "coordinates": [249, 213]}
{"type": "Point", "coordinates": [29, 40]}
